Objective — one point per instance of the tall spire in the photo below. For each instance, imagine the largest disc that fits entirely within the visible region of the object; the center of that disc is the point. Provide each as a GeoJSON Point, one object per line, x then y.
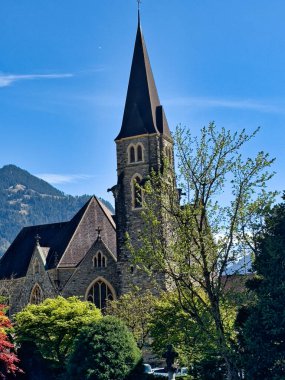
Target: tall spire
{"type": "Point", "coordinates": [143, 112]}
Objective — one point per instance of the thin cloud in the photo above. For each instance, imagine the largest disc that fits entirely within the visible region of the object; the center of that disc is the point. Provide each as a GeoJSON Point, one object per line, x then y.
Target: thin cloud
{"type": "Point", "coordinates": [7, 80]}
{"type": "Point", "coordinates": [245, 104]}
{"type": "Point", "coordinates": [57, 179]}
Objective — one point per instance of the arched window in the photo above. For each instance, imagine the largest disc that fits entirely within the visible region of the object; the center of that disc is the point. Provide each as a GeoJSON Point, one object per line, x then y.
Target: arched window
{"type": "Point", "coordinates": [99, 260]}
{"type": "Point", "coordinates": [36, 266]}
{"type": "Point", "coordinates": [37, 295]}
{"type": "Point", "coordinates": [137, 192]}
{"type": "Point", "coordinates": [99, 293]}
{"type": "Point", "coordinates": [132, 156]}
{"type": "Point", "coordinates": [139, 153]}
{"type": "Point", "coordinates": [135, 153]}
{"type": "Point", "coordinates": [170, 155]}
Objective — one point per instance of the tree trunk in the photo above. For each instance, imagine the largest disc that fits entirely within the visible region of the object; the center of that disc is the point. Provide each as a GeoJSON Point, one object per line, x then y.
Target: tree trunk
{"type": "Point", "coordinates": [232, 372]}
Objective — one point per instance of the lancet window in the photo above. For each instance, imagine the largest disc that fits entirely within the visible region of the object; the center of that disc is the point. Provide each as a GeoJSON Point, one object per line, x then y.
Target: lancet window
{"type": "Point", "coordinates": [37, 295]}
{"type": "Point", "coordinates": [137, 192]}
{"type": "Point", "coordinates": [99, 260]}
{"type": "Point", "coordinates": [135, 153]}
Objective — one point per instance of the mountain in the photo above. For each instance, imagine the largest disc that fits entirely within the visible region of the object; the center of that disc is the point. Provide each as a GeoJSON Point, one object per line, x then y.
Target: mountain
{"type": "Point", "coordinates": [242, 266]}
{"type": "Point", "coordinates": [26, 200]}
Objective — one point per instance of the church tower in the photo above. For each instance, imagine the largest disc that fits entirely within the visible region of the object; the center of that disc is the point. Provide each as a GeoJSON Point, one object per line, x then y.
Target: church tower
{"type": "Point", "coordinates": [143, 141]}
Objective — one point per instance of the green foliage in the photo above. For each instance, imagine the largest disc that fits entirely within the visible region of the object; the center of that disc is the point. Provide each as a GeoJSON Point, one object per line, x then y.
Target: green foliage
{"type": "Point", "coordinates": [54, 324]}
{"type": "Point", "coordinates": [106, 350]}
{"type": "Point", "coordinates": [193, 245]}
{"type": "Point", "coordinates": [197, 347]}
{"type": "Point", "coordinates": [263, 323]}
{"type": "Point", "coordinates": [135, 309]}
{"type": "Point", "coordinates": [43, 203]}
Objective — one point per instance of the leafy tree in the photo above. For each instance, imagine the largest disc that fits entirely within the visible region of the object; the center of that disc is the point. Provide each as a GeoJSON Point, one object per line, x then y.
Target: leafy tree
{"type": "Point", "coordinates": [103, 351]}
{"type": "Point", "coordinates": [135, 309]}
{"type": "Point", "coordinates": [197, 349]}
{"type": "Point", "coordinates": [8, 359]}
{"type": "Point", "coordinates": [54, 324]}
{"type": "Point", "coordinates": [193, 245]}
{"type": "Point", "coordinates": [263, 323]}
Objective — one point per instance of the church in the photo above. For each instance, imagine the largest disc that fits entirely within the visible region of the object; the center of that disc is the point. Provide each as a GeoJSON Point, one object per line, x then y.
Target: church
{"type": "Point", "coordinates": [87, 256]}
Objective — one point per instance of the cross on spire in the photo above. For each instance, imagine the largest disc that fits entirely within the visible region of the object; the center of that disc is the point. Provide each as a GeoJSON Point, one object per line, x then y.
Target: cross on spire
{"type": "Point", "coordinates": [139, 4]}
{"type": "Point", "coordinates": [37, 238]}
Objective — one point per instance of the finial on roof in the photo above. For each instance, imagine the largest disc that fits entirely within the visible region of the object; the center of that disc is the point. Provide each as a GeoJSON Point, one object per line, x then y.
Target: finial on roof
{"type": "Point", "coordinates": [99, 233]}
{"type": "Point", "coordinates": [37, 238]}
{"type": "Point", "coordinates": [139, 4]}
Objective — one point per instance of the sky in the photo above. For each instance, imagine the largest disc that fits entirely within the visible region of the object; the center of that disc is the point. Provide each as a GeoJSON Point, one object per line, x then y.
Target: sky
{"type": "Point", "coordinates": [64, 70]}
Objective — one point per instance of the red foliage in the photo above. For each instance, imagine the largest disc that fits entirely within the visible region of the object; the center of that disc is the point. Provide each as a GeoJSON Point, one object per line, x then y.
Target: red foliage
{"type": "Point", "coordinates": [8, 358]}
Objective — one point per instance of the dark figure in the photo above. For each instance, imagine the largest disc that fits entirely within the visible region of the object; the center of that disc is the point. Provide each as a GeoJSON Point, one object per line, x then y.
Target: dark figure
{"type": "Point", "coordinates": [170, 355]}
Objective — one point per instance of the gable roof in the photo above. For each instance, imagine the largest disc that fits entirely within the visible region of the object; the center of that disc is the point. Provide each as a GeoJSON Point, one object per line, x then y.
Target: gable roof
{"type": "Point", "coordinates": [68, 242]}
{"type": "Point", "coordinates": [143, 113]}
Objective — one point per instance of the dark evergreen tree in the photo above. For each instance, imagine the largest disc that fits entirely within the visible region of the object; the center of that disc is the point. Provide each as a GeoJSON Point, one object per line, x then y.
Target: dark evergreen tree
{"type": "Point", "coordinates": [262, 325]}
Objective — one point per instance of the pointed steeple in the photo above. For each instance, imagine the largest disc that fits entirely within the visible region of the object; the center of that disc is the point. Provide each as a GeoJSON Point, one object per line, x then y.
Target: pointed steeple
{"type": "Point", "coordinates": [143, 113]}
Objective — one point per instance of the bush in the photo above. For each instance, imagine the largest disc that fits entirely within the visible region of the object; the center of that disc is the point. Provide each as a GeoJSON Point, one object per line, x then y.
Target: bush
{"type": "Point", "coordinates": [53, 325]}
{"type": "Point", "coordinates": [106, 350]}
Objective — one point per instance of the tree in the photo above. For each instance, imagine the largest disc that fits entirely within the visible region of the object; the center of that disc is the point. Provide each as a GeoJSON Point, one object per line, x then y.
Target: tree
{"type": "Point", "coordinates": [106, 350]}
{"type": "Point", "coordinates": [193, 245]}
{"type": "Point", "coordinates": [8, 359]}
{"type": "Point", "coordinates": [135, 309]}
{"type": "Point", "coordinates": [197, 350]}
{"type": "Point", "coordinates": [263, 322]}
{"type": "Point", "coordinates": [54, 324]}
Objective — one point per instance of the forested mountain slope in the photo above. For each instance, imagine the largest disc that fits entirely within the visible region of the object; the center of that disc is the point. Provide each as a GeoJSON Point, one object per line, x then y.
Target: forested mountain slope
{"type": "Point", "coordinates": [27, 200]}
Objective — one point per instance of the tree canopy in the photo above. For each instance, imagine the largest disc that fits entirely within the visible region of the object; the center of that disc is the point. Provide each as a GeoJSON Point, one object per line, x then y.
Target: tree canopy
{"type": "Point", "coordinates": [193, 244]}
{"type": "Point", "coordinates": [103, 351]}
{"type": "Point", "coordinates": [54, 324]}
{"type": "Point", "coordinates": [136, 310]}
{"type": "Point", "coordinates": [263, 322]}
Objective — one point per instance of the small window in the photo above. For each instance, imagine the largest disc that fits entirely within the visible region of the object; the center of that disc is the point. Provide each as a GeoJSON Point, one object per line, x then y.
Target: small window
{"type": "Point", "coordinates": [37, 295]}
{"type": "Point", "coordinates": [139, 153]}
{"type": "Point", "coordinates": [36, 266]}
{"type": "Point", "coordinates": [99, 260]}
{"type": "Point", "coordinates": [137, 192]}
{"type": "Point", "coordinates": [132, 157]}
{"type": "Point", "coordinates": [170, 155]}
{"type": "Point", "coordinates": [135, 153]}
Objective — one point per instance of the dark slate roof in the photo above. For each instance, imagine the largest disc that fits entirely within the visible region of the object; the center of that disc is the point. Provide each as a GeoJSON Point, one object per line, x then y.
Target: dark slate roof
{"type": "Point", "coordinates": [68, 242]}
{"type": "Point", "coordinates": [143, 112]}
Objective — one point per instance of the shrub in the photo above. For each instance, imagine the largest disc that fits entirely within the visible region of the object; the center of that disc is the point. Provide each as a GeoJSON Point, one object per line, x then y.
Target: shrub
{"type": "Point", "coordinates": [53, 325]}
{"type": "Point", "coordinates": [106, 350]}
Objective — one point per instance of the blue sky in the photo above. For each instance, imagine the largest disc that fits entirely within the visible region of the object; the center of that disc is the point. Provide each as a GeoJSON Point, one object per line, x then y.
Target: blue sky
{"type": "Point", "coordinates": [64, 70]}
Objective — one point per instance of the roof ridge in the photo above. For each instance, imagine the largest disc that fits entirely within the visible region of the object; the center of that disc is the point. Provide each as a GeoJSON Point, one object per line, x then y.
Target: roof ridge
{"type": "Point", "coordinates": [107, 212]}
